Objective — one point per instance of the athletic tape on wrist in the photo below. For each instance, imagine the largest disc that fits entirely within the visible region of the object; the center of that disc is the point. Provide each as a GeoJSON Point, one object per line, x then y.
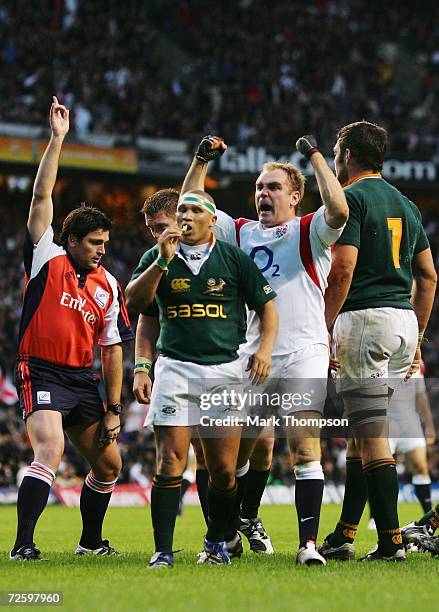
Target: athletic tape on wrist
{"type": "Point", "coordinates": [142, 365]}
{"type": "Point", "coordinates": [163, 263]}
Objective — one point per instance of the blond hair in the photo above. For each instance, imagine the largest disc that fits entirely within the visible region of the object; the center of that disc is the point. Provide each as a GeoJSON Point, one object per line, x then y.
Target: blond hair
{"type": "Point", "coordinates": [296, 179]}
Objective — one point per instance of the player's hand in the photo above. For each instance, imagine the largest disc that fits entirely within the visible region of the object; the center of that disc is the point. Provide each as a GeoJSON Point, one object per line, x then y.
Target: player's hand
{"type": "Point", "coordinates": [430, 438]}
{"type": "Point", "coordinates": [168, 242]}
{"type": "Point", "coordinates": [142, 386]}
{"type": "Point", "coordinates": [59, 118]}
{"type": "Point", "coordinates": [259, 366]}
{"type": "Point", "coordinates": [211, 147]}
{"type": "Point", "coordinates": [307, 145]}
{"type": "Point", "coordinates": [334, 363]}
{"type": "Point", "coordinates": [110, 429]}
{"type": "Point", "coordinates": [416, 364]}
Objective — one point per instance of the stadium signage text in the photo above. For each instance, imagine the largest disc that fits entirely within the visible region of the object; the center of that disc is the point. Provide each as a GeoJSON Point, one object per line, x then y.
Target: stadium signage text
{"type": "Point", "coordinates": [251, 160]}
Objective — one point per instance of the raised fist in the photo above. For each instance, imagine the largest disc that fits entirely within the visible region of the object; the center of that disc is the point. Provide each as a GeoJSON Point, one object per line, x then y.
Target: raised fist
{"type": "Point", "coordinates": [211, 147]}
{"type": "Point", "coordinates": [307, 145]}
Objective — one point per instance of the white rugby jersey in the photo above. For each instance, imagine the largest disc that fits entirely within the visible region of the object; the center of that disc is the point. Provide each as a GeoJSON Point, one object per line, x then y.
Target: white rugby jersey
{"type": "Point", "coordinates": [295, 258]}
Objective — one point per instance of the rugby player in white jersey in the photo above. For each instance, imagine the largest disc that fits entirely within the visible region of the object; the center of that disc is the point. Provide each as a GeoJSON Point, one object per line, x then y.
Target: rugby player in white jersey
{"type": "Point", "coordinates": [411, 428]}
{"type": "Point", "coordinates": [294, 254]}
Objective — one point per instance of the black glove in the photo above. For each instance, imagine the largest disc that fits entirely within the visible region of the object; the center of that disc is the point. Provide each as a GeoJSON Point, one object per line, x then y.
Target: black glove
{"type": "Point", "coordinates": [205, 152]}
{"type": "Point", "coordinates": [307, 145]}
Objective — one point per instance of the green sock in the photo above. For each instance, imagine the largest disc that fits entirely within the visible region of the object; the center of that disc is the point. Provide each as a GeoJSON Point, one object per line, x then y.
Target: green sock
{"type": "Point", "coordinates": [355, 497]}
{"type": "Point", "coordinates": [165, 499]}
{"type": "Point", "coordinates": [382, 485]}
{"type": "Point", "coordinates": [220, 507]}
{"type": "Point", "coordinates": [431, 518]}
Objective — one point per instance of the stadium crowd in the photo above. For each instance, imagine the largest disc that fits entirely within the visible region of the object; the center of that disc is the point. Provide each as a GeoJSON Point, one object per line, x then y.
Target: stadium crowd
{"type": "Point", "coordinates": [182, 69]}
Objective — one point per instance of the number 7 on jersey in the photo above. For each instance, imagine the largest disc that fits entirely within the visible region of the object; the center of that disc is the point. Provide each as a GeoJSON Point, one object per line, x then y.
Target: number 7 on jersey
{"type": "Point", "coordinates": [395, 226]}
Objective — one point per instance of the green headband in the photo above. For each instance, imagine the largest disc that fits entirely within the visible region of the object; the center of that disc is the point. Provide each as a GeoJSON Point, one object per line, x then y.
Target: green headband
{"type": "Point", "coordinates": [194, 199]}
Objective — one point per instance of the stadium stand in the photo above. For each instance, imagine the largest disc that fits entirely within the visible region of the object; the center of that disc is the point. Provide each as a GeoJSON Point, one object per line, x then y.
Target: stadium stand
{"type": "Point", "coordinates": [146, 70]}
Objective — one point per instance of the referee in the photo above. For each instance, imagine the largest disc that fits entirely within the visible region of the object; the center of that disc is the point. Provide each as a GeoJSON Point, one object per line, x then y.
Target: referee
{"type": "Point", "coordinates": [71, 304]}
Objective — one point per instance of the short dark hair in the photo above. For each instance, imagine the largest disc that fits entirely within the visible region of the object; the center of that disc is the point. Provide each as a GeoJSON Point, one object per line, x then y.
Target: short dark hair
{"type": "Point", "coordinates": [165, 200]}
{"type": "Point", "coordinates": [367, 143]}
{"type": "Point", "coordinates": [83, 220]}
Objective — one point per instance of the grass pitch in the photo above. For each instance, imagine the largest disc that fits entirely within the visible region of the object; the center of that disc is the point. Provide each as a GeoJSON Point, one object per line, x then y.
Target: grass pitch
{"type": "Point", "coordinates": [255, 582]}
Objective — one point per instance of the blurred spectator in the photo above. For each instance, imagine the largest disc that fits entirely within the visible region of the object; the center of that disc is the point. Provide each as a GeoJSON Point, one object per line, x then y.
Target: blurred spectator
{"type": "Point", "coordinates": [167, 68]}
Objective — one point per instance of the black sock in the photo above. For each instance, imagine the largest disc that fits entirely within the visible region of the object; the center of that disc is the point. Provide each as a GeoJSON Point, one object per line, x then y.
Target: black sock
{"type": "Point", "coordinates": [220, 506]}
{"type": "Point", "coordinates": [354, 500]}
{"type": "Point", "coordinates": [202, 477]}
{"type": "Point", "coordinates": [32, 499]}
{"type": "Point", "coordinates": [185, 484]}
{"type": "Point", "coordinates": [233, 522]}
{"type": "Point", "coordinates": [423, 493]}
{"type": "Point", "coordinates": [382, 487]}
{"type": "Point", "coordinates": [93, 506]}
{"type": "Point", "coordinates": [308, 500]}
{"type": "Point", "coordinates": [431, 518]}
{"type": "Point", "coordinates": [256, 483]}
{"type": "Point", "coordinates": [165, 498]}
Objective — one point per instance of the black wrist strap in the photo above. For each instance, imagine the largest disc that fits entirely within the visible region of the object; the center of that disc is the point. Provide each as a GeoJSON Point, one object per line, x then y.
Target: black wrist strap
{"type": "Point", "coordinates": [115, 408]}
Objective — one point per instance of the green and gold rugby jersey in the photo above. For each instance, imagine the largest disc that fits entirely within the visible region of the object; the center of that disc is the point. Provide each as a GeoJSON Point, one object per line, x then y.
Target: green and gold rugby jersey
{"type": "Point", "coordinates": [201, 315]}
{"type": "Point", "coordinates": [386, 227]}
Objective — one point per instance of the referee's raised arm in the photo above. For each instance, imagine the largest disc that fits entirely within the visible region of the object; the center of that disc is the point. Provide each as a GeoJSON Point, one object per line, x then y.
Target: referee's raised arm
{"type": "Point", "coordinates": [41, 209]}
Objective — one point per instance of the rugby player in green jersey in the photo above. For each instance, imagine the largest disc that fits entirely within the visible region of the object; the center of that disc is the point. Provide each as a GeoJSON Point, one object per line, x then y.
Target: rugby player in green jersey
{"type": "Point", "coordinates": [160, 210]}
{"type": "Point", "coordinates": [200, 285]}
{"type": "Point", "coordinates": [378, 334]}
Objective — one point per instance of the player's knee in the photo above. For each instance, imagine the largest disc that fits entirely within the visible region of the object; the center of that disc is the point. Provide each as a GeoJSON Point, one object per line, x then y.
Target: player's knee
{"type": "Point", "coordinates": [108, 469]}
{"type": "Point", "coordinates": [50, 454]}
{"type": "Point", "coordinates": [262, 455]}
{"type": "Point", "coordinates": [171, 462]}
{"type": "Point", "coordinates": [305, 454]}
{"type": "Point", "coordinates": [223, 477]}
{"type": "Point", "coordinates": [419, 467]}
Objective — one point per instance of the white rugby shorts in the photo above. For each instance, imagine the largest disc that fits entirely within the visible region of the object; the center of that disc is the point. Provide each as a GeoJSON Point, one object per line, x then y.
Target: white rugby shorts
{"type": "Point", "coordinates": [184, 391]}
{"type": "Point", "coordinates": [374, 344]}
{"type": "Point", "coordinates": [297, 382]}
{"type": "Point", "coordinates": [406, 445]}
{"type": "Point", "coordinates": [406, 434]}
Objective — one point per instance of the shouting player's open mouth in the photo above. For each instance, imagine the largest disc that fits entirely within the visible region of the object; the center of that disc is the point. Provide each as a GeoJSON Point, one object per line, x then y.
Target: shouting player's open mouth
{"type": "Point", "coordinates": [186, 228]}
{"type": "Point", "coordinates": [265, 209]}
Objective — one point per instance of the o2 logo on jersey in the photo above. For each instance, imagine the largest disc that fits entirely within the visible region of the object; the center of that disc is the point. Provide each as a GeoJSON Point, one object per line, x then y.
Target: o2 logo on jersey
{"type": "Point", "coordinates": [263, 258]}
{"type": "Point", "coordinates": [101, 297]}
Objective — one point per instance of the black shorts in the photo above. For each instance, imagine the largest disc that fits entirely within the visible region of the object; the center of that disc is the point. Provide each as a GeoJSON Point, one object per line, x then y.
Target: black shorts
{"type": "Point", "coordinates": [74, 392]}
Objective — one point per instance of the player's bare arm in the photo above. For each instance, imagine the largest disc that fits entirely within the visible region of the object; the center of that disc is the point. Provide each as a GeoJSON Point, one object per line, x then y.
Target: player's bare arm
{"type": "Point", "coordinates": [211, 147]}
{"type": "Point", "coordinates": [331, 192]}
{"type": "Point", "coordinates": [425, 278]}
{"type": "Point", "coordinates": [112, 373]}
{"type": "Point", "coordinates": [41, 209]}
{"type": "Point", "coordinates": [141, 291]}
{"type": "Point", "coordinates": [424, 289]}
{"type": "Point", "coordinates": [147, 333]}
{"type": "Point", "coordinates": [344, 260]}
{"type": "Point", "coordinates": [259, 364]}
